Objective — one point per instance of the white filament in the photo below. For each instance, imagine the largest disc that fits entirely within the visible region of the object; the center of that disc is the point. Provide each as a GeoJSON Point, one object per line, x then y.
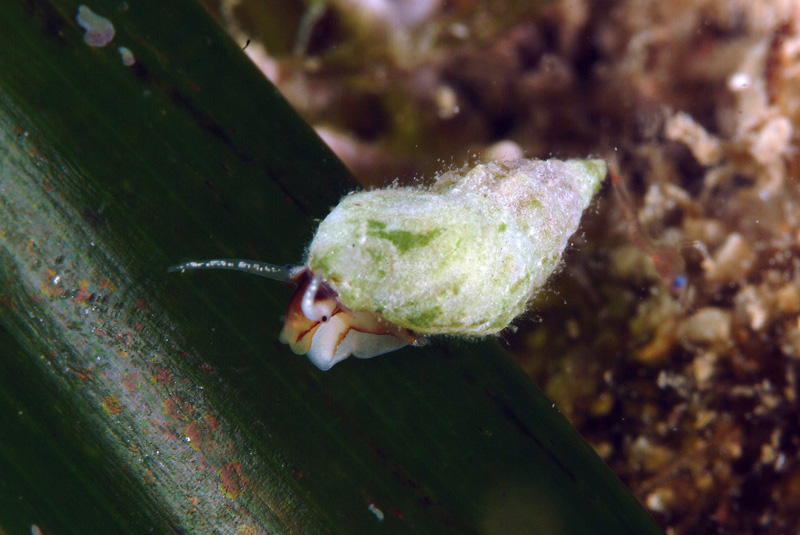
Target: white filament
{"type": "Point", "coordinates": [280, 273]}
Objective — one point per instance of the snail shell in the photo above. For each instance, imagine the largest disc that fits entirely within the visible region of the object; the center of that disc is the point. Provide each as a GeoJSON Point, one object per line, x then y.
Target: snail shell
{"type": "Point", "coordinates": [462, 257]}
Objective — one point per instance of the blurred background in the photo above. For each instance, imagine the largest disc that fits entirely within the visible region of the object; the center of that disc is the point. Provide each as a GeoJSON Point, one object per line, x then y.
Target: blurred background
{"type": "Point", "coordinates": [678, 309]}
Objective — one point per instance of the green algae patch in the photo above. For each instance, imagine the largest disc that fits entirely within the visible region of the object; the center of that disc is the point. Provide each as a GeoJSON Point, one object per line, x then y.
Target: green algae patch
{"type": "Point", "coordinates": [462, 257]}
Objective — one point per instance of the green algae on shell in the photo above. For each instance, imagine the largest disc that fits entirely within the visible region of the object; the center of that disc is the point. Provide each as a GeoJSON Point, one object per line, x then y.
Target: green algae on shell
{"type": "Point", "coordinates": [461, 257]}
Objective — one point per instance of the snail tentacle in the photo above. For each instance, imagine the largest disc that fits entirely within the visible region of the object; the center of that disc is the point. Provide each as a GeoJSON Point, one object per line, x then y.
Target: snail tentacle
{"type": "Point", "coordinates": [271, 271]}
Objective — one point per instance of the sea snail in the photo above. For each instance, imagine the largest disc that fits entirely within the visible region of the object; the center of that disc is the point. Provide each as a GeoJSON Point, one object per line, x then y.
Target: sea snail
{"type": "Point", "coordinates": [464, 256]}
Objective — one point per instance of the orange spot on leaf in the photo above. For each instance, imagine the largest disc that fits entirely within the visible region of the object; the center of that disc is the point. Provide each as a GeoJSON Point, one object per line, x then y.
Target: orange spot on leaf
{"type": "Point", "coordinates": [178, 408]}
{"type": "Point", "coordinates": [83, 293]}
{"type": "Point", "coordinates": [112, 405]}
{"type": "Point", "coordinates": [162, 377]}
{"type": "Point", "coordinates": [232, 481]}
{"type": "Point", "coordinates": [201, 432]}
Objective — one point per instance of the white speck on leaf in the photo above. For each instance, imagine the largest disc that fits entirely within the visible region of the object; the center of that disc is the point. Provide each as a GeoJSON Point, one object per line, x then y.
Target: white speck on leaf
{"type": "Point", "coordinates": [127, 56]}
{"type": "Point", "coordinates": [377, 512]}
{"type": "Point", "coordinates": [99, 30]}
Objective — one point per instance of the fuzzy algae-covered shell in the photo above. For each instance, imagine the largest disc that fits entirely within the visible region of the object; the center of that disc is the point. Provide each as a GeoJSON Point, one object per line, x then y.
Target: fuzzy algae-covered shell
{"type": "Point", "coordinates": [461, 257]}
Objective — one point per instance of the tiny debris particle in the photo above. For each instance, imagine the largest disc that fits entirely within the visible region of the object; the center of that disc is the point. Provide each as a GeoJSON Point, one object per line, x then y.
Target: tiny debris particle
{"type": "Point", "coordinates": [99, 30]}
{"type": "Point", "coordinates": [377, 512]}
{"type": "Point", "coordinates": [707, 326]}
{"type": "Point", "coordinates": [126, 55]}
{"type": "Point", "coordinates": [739, 81]}
{"type": "Point", "coordinates": [705, 147]}
{"type": "Point", "coordinates": [787, 298]}
{"type": "Point", "coordinates": [772, 141]}
{"type": "Point", "coordinates": [446, 102]}
{"type": "Point", "coordinates": [660, 500]}
{"type": "Point", "coordinates": [35, 530]}
{"type": "Point", "coordinates": [731, 262]}
{"type": "Point", "coordinates": [703, 368]}
{"type": "Point", "coordinates": [504, 151]}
